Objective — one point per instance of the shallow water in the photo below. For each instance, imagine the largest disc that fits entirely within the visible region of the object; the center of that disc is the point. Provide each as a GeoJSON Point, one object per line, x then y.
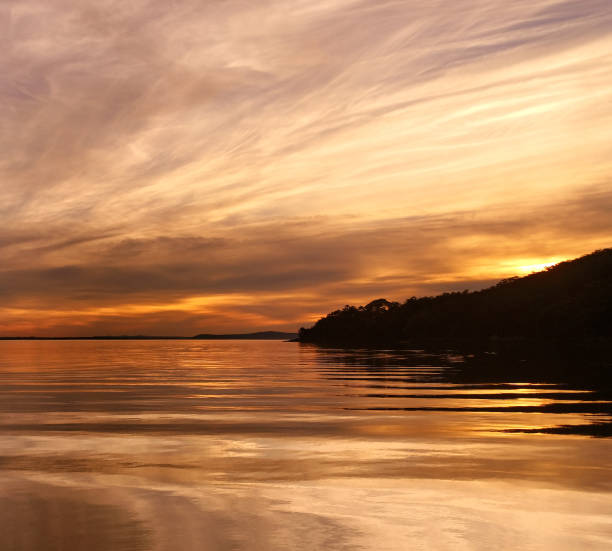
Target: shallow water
{"type": "Point", "coordinates": [185, 445]}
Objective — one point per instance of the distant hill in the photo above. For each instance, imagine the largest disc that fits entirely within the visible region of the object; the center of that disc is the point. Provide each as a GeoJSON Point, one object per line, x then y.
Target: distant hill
{"type": "Point", "coordinates": [260, 335]}
{"type": "Point", "coordinates": [96, 338]}
{"type": "Point", "coordinates": [571, 300]}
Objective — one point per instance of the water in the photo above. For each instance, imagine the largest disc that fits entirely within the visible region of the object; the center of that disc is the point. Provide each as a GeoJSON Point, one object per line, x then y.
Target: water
{"type": "Point", "coordinates": [246, 445]}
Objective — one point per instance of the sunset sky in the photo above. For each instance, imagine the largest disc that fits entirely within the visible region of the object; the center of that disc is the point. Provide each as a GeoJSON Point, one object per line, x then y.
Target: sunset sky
{"type": "Point", "coordinates": [175, 167]}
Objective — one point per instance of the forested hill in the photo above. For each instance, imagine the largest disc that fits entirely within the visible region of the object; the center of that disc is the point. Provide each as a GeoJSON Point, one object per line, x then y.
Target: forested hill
{"type": "Point", "coordinates": [572, 299]}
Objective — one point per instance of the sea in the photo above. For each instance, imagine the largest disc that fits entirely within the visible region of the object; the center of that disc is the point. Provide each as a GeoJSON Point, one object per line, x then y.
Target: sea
{"type": "Point", "coordinates": [185, 445]}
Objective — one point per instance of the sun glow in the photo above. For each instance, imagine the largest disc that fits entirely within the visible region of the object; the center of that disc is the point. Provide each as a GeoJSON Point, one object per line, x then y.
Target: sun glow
{"type": "Point", "coordinates": [538, 266]}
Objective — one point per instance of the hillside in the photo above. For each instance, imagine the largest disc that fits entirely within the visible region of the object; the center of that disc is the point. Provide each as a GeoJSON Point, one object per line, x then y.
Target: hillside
{"type": "Point", "coordinates": [572, 299]}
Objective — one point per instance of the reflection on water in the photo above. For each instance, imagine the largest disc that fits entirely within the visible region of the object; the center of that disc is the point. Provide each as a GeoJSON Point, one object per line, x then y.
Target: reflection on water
{"type": "Point", "coordinates": [167, 445]}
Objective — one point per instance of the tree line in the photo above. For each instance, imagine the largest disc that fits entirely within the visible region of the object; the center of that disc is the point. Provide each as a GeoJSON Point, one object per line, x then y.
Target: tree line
{"type": "Point", "coordinates": [572, 299]}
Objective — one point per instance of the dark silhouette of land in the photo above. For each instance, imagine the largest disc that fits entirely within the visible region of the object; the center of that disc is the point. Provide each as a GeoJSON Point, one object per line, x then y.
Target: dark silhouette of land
{"type": "Point", "coordinates": [548, 328]}
{"type": "Point", "coordinates": [260, 335]}
{"type": "Point", "coordinates": [571, 300]}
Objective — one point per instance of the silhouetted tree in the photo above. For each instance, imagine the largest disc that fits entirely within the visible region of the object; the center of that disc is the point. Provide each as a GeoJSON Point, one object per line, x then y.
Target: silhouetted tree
{"type": "Point", "coordinates": [570, 300]}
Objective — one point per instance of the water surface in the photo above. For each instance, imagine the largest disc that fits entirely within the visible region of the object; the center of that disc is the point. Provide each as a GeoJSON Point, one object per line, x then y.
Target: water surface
{"type": "Point", "coordinates": [181, 445]}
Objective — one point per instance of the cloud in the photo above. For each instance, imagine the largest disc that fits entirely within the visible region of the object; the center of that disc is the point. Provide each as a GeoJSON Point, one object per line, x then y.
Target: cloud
{"type": "Point", "coordinates": [317, 151]}
{"type": "Point", "coordinates": [286, 274]}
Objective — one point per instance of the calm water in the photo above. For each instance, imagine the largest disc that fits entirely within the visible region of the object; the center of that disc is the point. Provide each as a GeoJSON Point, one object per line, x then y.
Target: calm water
{"type": "Point", "coordinates": [218, 445]}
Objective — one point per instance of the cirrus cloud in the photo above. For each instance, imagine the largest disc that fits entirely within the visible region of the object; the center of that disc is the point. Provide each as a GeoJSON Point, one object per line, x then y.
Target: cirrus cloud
{"type": "Point", "coordinates": [230, 165]}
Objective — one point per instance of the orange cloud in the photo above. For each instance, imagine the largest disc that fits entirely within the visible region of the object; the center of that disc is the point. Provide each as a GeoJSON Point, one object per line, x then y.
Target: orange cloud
{"type": "Point", "coordinates": [225, 165]}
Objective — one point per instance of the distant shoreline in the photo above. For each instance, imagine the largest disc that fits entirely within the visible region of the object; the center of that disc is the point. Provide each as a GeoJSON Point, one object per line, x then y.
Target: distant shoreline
{"type": "Point", "coordinates": [260, 335]}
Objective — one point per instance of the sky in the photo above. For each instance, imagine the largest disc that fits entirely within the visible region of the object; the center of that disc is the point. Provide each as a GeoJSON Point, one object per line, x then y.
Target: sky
{"type": "Point", "coordinates": [176, 167]}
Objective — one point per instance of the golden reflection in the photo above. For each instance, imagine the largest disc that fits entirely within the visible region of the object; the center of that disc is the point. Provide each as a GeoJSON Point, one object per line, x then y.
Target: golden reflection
{"type": "Point", "coordinates": [250, 445]}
